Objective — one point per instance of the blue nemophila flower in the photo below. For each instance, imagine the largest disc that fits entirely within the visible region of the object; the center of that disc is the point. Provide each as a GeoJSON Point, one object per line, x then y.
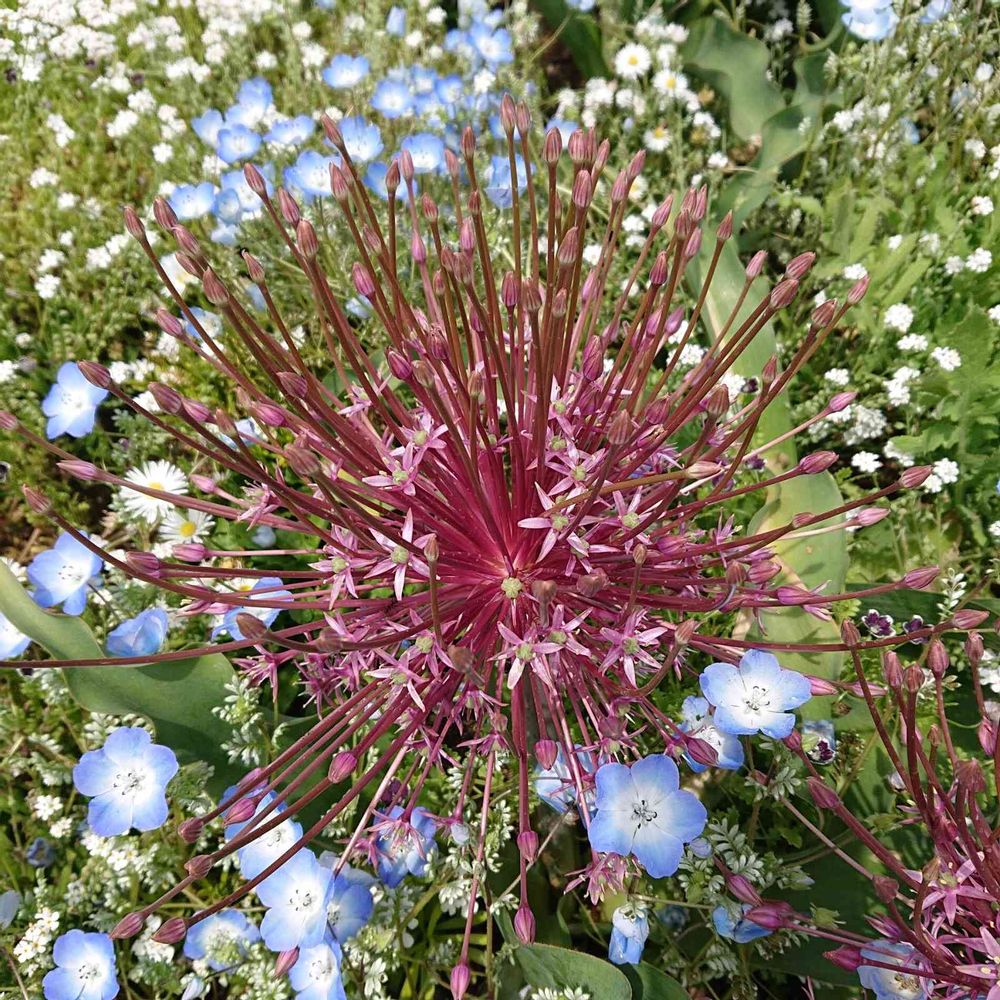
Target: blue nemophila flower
{"type": "Point", "coordinates": [126, 782]}
{"type": "Point", "coordinates": [266, 849]}
{"type": "Point", "coordinates": [296, 897]}
{"type": "Point", "coordinates": [566, 128]}
{"type": "Point", "coordinates": [263, 536]}
{"type": "Point", "coordinates": [493, 46]}
{"type": "Point", "coordinates": [395, 23]}
{"type": "Point", "coordinates": [291, 131]}
{"type": "Point", "coordinates": [139, 636]}
{"type": "Point", "coordinates": [345, 71]}
{"type": "Point", "coordinates": [934, 11]}
{"type": "Point", "coordinates": [254, 98]}
{"type": "Point", "coordinates": [234, 182]}
{"type": "Point", "coordinates": [629, 930]}
{"type": "Point", "coordinates": [869, 20]}
{"type": "Point", "coordinates": [208, 126]}
{"type": "Point", "coordinates": [12, 642]}
{"type": "Point", "coordinates": [310, 174]}
{"type": "Point", "coordinates": [222, 940]}
{"type": "Point", "coordinates": [362, 139]}
{"type": "Point", "coordinates": [62, 574]}
{"type": "Point", "coordinates": [498, 187]}
{"type": "Point", "coordinates": [641, 810]}
{"type": "Point", "coordinates": [316, 973]}
{"type": "Point", "coordinates": [192, 201]}
{"type": "Point", "coordinates": [556, 786]}
{"type": "Point", "coordinates": [85, 968]}
{"type": "Point", "coordinates": [210, 322]}
{"type": "Point", "coordinates": [71, 403]}
{"type": "Point", "coordinates": [237, 142]}
{"type": "Point", "coordinates": [40, 853]}
{"type": "Point", "coordinates": [892, 984]}
{"type": "Point", "coordinates": [756, 696]}
{"type": "Point", "coordinates": [698, 722]}
{"type": "Point", "coordinates": [267, 589]}
{"type": "Point", "coordinates": [404, 849]}
{"type": "Point", "coordinates": [731, 923]}
{"type": "Point", "coordinates": [10, 903]}
{"type": "Point", "coordinates": [427, 151]}
{"type": "Point", "coordinates": [450, 89]}
{"type": "Point", "coordinates": [392, 98]}
{"type": "Point", "coordinates": [350, 904]}
{"type": "Point", "coordinates": [375, 179]}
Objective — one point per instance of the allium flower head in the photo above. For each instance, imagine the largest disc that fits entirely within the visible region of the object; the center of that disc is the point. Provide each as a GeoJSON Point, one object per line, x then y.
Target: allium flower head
{"type": "Point", "coordinates": [515, 520]}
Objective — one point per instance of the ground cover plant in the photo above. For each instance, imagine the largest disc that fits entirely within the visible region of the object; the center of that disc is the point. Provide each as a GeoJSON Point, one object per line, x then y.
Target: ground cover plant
{"type": "Point", "coordinates": [499, 502]}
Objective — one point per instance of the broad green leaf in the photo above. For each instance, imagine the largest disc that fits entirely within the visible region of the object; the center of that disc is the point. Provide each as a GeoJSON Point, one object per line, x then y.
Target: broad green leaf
{"type": "Point", "coordinates": [579, 33]}
{"type": "Point", "coordinates": [648, 983]}
{"type": "Point", "coordinates": [178, 696]}
{"type": "Point", "coordinates": [722, 296]}
{"type": "Point", "coordinates": [735, 65]}
{"type": "Point", "coordinates": [559, 968]}
{"type": "Point", "coordinates": [810, 561]}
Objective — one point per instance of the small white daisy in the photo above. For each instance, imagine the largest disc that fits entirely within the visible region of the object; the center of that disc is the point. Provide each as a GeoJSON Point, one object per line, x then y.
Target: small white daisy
{"type": "Point", "coordinates": [156, 476]}
{"type": "Point", "coordinates": [180, 525]}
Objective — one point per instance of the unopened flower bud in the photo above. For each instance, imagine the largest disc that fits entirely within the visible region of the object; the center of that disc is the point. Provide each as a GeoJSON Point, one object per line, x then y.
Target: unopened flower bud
{"type": "Point", "coordinates": [524, 924]}
{"type": "Point", "coordinates": [937, 658]}
{"type": "Point", "coordinates": [917, 476]}
{"type": "Point", "coordinates": [198, 866]}
{"type": "Point", "coordinates": [128, 926]}
{"type": "Point", "coordinates": [918, 579]}
{"type": "Point", "coordinates": [342, 765]}
{"type": "Point", "coordinates": [190, 830]}
{"type": "Point", "coordinates": [968, 618]}
{"type": "Point", "coordinates": [95, 374]}
{"type": "Point", "coordinates": [885, 888]}
{"type": "Point", "coordinates": [285, 961]}
{"type": "Point", "coordinates": [841, 401]}
{"type": "Point", "coordinates": [527, 844]}
{"type": "Point", "coordinates": [241, 810]}
{"type": "Point", "coordinates": [824, 796]}
{"type": "Point", "coordinates": [546, 752]}
{"type": "Point", "coordinates": [701, 752]}
{"type": "Point", "coordinates": [143, 563]}
{"type": "Point", "coordinates": [459, 980]}
{"type": "Point", "coordinates": [171, 931]}
{"type": "Point", "coordinates": [741, 887]}
{"type": "Point", "coordinates": [891, 670]}
{"type": "Point", "coordinates": [849, 633]}
{"type": "Point", "coordinates": [847, 957]}
{"type": "Point", "coordinates": [821, 686]}
{"type": "Point", "coordinates": [818, 461]}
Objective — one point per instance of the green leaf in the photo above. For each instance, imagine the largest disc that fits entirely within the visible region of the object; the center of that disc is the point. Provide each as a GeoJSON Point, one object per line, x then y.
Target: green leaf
{"type": "Point", "coordinates": [177, 696]}
{"type": "Point", "coordinates": [648, 983]}
{"type": "Point", "coordinates": [722, 295]}
{"type": "Point", "coordinates": [579, 33]}
{"type": "Point", "coordinates": [809, 562]}
{"type": "Point", "coordinates": [736, 66]}
{"type": "Point", "coordinates": [561, 969]}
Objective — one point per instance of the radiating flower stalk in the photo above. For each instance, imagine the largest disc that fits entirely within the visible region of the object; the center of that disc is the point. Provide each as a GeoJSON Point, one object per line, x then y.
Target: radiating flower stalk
{"type": "Point", "coordinates": [520, 516]}
{"type": "Point", "coordinates": [940, 934]}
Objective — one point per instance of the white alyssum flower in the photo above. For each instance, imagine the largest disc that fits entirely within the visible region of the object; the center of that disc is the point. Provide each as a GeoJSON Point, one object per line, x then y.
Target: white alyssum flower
{"type": "Point", "coordinates": [953, 265]}
{"type": "Point", "coordinates": [912, 342]}
{"type": "Point", "coordinates": [896, 454]}
{"type": "Point", "coordinates": [946, 470]}
{"type": "Point", "coordinates": [866, 461]}
{"type": "Point", "coordinates": [947, 357]}
{"type": "Point", "coordinates": [837, 376]}
{"type": "Point", "coordinates": [899, 317]}
{"type": "Point", "coordinates": [855, 272]}
{"type": "Point", "coordinates": [158, 475]}
{"type": "Point", "coordinates": [982, 205]}
{"type": "Point", "coordinates": [979, 261]}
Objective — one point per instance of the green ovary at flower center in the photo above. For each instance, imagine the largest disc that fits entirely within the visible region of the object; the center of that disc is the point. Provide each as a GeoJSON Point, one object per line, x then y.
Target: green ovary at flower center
{"type": "Point", "coordinates": [399, 555]}
{"type": "Point", "coordinates": [524, 651]}
{"type": "Point", "coordinates": [631, 646]}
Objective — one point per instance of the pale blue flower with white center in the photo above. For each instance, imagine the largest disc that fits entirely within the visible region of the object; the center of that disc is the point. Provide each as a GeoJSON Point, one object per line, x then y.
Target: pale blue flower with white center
{"type": "Point", "coordinates": [310, 174]}
{"type": "Point", "coordinates": [290, 131]}
{"type": "Point", "coordinates": [71, 403]}
{"type": "Point", "coordinates": [139, 636]}
{"type": "Point", "coordinates": [395, 23]}
{"type": "Point", "coordinates": [629, 930]}
{"type": "Point", "coordinates": [493, 46]}
{"type": "Point", "coordinates": [208, 126]}
{"type": "Point", "coordinates": [392, 98]}
{"type": "Point", "coordinates": [757, 696]}
{"type": "Point", "coordinates": [85, 968]}
{"type": "Point", "coordinates": [427, 151]}
{"type": "Point", "coordinates": [195, 987]}
{"type": "Point", "coordinates": [192, 201]}
{"type": "Point", "coordinates": [316, 973]}
{"type": "Point", "coordinates": [237, 142]}
{"type": "Point", "coordinates": [210, 322]}
{"type": "Point", "coordinates": [264, 850]}
{"type": "Point", "coordinates": [698, 722]}
{"type": "Point", "coordinates": [263, 537]}
{"type": "Point", "coordinates": [450, 89]}
{"type": "Point", "coordinates": [556, 786]}
{"type": "Point", "coordinates": [63, 574]}
{"type": "Point", "coordinates": [362, 139]}
{"type": "Point", "coordinates": [10, 903]}
{"type": "Point", "coordinates": [934, 11]}
{"type": "Point", "coordinates": [350, 905]}
{"type": "Point", "coordinates": [892, 984]}
{"type": "Point", "coordinates": [255, 95]}
{"type": "Point", "coordinates": [403, 852]}
{"type": "Point", "coordinates": [870, 20]}
{"type": "Point", "coordinates": [126, 782]}
{"type": "Point", "coordinates": [221, 940]}
{"type": "Point", "coordinates": [234, 182]}
{"type": "Point", "coordinates": [359, 307]}
{"type": "Point", "coordinates": [296, 897]}
{"type": "Point", "coordinates": [12, 641]}
{"type": "Point", "coordinates": [642, 811]}
{"type": "Point", "coordinates": [565, 127]}
{"type": "Point", "coordinates": [375, 179]}
{"type": "Point", "coordinates": [267, 588]}
{"type": "Point", "coordinates": [345, 71]}
{"type": "Point", "coordinates": [731, 922]}
{"type": "Point", "coordinates": [499, 188]}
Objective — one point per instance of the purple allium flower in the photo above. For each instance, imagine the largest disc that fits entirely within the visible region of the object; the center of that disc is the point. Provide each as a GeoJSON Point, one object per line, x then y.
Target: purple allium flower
{"type": "Point", "coordinates": [508, 395]}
